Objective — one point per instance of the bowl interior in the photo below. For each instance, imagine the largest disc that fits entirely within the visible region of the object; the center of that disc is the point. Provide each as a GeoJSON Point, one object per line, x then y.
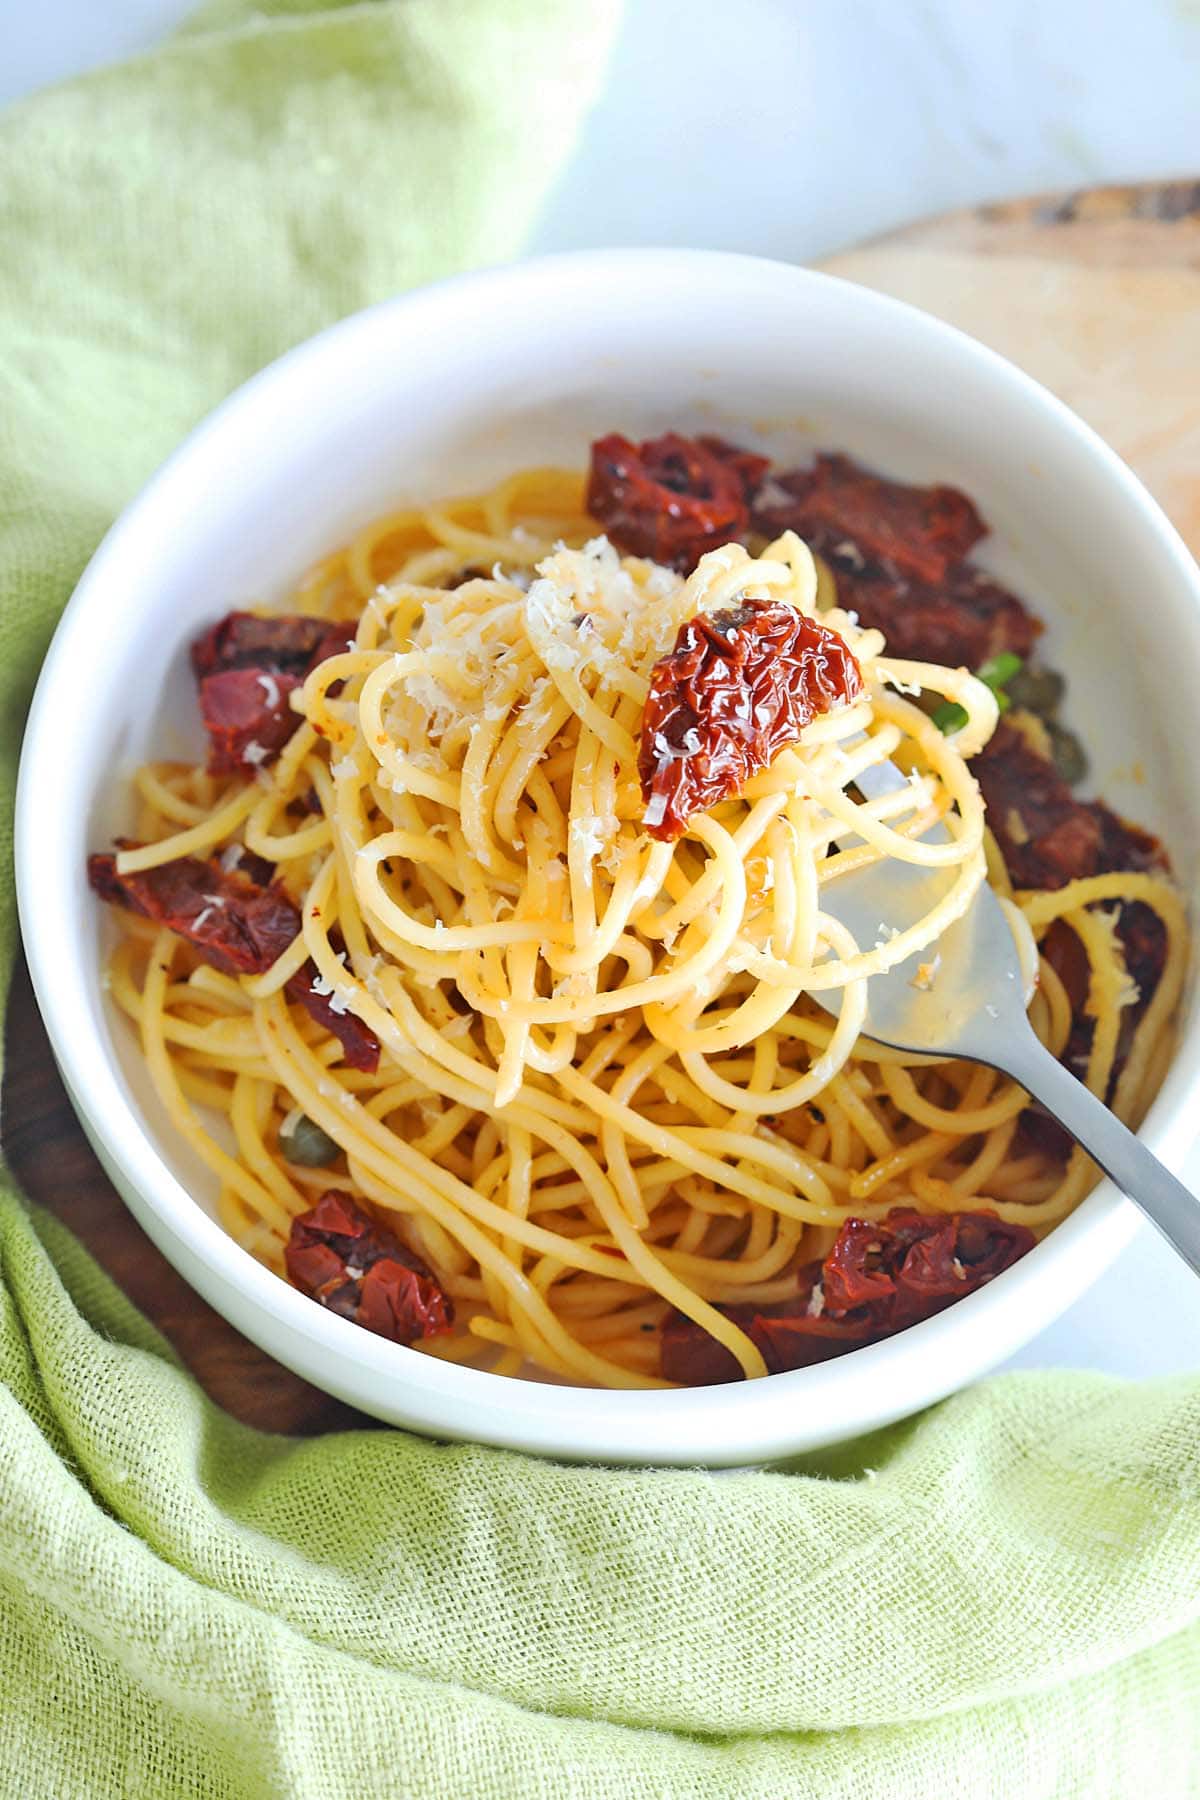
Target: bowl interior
{"type": "Point", "coordinates": [453, 388]}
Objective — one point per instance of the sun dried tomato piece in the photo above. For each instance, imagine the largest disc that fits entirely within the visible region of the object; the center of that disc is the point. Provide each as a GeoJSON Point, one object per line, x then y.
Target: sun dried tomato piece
{"type": "Point", "coordinates": [255, 868]}
{"type": "Point", "coordinates": [960, 622]}
{"type": "Point", "coordinates": [360, 1046]}
{"type": "Point", "coordinates": [285, 643]}
{"type": "Point", "coordinates": [1046, 835]}
{"type": "Point", "coordinates": [947, 1255]}
{"type": "Point", "coordinates": [917, 531]}
{"type": "Point", "coordinates": [691, 1356]}
{"type": "Point", "coordinates": [671, 498]}
{"type": "Point", "coordinates": [879, 1277]}
{"type": "Point", "coordinates": [247, 717]}
{"type": "Point", "coordinates": [788, 1334]}
{"type": "Point", "coordinates": [247, 667]}
{"type": "Point", "coordinates": [358, 1269]}
{"type": "Point", "coordinates": [238, 925]}
{"type": "Point", "coordinates": [751, 468]}
{"type": "Point", "coordinates": [1063, 950]}
{"type": "Point", "coordinates": [911, 1264]}
{"type": "Point", "coordinates": [1144, 940]}
{"type": "Point", "coordinates": [800, 1340]}
{"type": "Point", "coordinates": [1124, 845]}
{"type": "Point", "coordinates": [792, 1341]}
{"type": "Point", "coordinates": [738, 687]}
{"type": "Point", "coordinates": [859, 1269]}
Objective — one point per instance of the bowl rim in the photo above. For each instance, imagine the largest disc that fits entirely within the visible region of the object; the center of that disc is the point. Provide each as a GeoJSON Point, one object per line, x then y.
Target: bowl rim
{"type": "Point", "coordinates": [715, 1425]}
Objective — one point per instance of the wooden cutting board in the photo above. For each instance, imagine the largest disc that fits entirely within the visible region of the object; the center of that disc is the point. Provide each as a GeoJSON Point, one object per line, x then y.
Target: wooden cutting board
{"type": "Point", "coordinates": [1097, 294]}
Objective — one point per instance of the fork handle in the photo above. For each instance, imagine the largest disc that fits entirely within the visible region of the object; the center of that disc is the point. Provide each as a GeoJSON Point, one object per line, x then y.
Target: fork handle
{"type": "Point", "coordinates": [1164, 1200]}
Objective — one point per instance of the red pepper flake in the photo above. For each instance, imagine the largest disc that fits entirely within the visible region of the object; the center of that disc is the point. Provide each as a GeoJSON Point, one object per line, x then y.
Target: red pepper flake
{"type": "Point", "coordinates": [737, 688]}
{"type": "Point", "coordinates": [880, 1276]}
{"type": "Point", "coordinates": [237, 924]}
{"type": "Point", "coordinates": [672, 498]}
{"type": "Point", "coordinates": [838, 506]}
{"type": "Point", "coordinates": [356, 1268]}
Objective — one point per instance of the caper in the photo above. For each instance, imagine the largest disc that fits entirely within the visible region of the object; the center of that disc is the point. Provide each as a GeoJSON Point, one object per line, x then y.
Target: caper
{"type": "Point", "coordinates": [302, 1141]}
{"type": "Point", "coordinates": [1038, 690]}
{"type": "Point", "coordinates": [1070, 758]}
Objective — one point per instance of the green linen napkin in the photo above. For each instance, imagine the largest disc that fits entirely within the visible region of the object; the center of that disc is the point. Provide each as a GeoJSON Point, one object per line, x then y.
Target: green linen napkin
{"type": "Point", "coordinates": [1001, 1598]}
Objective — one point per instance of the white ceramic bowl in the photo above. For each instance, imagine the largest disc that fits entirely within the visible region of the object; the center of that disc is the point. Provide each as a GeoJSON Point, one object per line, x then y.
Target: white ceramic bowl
{"type": "Point", "coordinates": [453, 386]}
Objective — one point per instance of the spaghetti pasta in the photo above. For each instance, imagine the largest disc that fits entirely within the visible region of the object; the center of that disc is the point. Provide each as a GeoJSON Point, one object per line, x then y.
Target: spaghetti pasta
{"type": "Point", "coordinates": [602, 1096]}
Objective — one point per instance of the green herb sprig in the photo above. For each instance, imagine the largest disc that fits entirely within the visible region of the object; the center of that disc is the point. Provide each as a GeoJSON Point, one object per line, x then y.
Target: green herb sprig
{"type": "Point", "coordinates": [995, 673]}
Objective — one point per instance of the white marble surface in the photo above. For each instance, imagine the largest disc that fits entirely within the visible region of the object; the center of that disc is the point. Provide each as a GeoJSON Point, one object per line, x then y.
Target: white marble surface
{"type": "Point", "coordinates": [791, 129]}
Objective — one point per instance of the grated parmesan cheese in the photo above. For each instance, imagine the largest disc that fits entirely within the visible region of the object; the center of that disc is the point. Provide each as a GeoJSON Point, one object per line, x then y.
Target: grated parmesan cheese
{"type": "Point", "coordinates": [926, 974]}
{"type": "Point", "coordinates": [589, 837]}
{"type": "Point", "coordinates": [372, 983]}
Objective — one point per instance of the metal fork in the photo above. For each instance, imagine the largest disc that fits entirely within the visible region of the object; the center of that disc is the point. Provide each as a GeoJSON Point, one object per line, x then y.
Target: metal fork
{"type": "Point", "coordinates": [975, 1009]}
